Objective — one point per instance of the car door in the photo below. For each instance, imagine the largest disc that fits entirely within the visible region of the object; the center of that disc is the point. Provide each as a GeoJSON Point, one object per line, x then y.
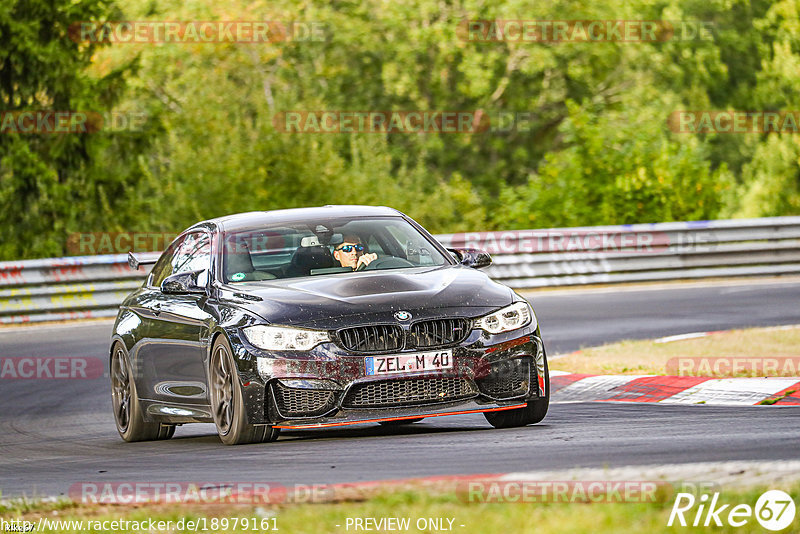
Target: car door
{"type": "Point", "coordinates": [173, 358]}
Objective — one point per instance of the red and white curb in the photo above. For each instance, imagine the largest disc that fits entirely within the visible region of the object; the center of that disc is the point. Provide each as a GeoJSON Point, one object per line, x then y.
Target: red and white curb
{"type": "Point", "coordinates": [568, 387]}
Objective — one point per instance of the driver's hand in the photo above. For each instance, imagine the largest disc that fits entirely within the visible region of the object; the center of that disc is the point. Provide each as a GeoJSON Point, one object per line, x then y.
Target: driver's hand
{"type": "Point", "coordinates": [366, 259]}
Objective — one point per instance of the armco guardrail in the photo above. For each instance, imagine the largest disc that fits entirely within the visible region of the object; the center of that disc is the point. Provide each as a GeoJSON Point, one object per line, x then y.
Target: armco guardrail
{"type": "Point", "coordinates": [93, 286]}
{"type": "Point", "coordinates": [65, 288]}
{"type": "Point", "coordinates": [640, 252]}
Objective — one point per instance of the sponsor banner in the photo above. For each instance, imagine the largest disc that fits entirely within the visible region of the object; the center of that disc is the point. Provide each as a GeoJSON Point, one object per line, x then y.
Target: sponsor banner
{"type": "Point", "coordinates": [51, 368]}
{"type": "Point", "coordinates": [734, 121]}
{"type": "Point", "coordinates": [195, 31]}
{"type": "Point", "coordinates": [584, 31]}
{"type": "Point", "coordinates": [734, 366]}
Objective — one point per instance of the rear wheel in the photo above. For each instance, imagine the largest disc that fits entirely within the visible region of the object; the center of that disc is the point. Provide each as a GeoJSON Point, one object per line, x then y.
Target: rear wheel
{"type": "Point", "coordinates": [533, 413]}
{"type": "Point", "coordinates": [127, 411]}
{"type": "Point", "coordinates": [227, 404]}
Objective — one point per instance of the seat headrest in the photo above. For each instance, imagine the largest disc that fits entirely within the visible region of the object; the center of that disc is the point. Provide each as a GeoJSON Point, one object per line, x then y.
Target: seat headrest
{"type": "Point", "coordinates": [307, 258]}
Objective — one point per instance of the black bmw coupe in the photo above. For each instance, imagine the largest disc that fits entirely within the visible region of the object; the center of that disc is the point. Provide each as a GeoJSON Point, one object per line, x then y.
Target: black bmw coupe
{"type": "Point", "coordinates": [257, 322]}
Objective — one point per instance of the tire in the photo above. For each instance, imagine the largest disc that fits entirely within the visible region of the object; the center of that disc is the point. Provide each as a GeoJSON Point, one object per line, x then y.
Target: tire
{"type": "Point", "coordinates": [227, 404]}
{"type": "Point", "coordinates": [400, 422]}
{"type": "Point", "coordinates": [533, 413]}
{"type": "Point", "coordinates": [125, 401]}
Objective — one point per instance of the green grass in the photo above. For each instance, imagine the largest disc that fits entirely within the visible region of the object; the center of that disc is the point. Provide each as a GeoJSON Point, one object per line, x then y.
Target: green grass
{"type": "Point", "coordinates": [500, 518]}
{"type": "Point", "coordinates": [775, 398]}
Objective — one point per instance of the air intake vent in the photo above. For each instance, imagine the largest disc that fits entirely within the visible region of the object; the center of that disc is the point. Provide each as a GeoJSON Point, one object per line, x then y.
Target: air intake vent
{"type": "Point", "coordinates": [507, 379]}
{"type": "Point", "coordinates": [297, 402]}
{"type": "Point", "coordinates": [387, 393]}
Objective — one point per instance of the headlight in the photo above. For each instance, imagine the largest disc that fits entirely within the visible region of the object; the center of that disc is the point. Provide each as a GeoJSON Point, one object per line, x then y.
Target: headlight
{"type": "Point", "coordinates": [284, 338]}
{"type": "Point", "coordinates": [509, 318]}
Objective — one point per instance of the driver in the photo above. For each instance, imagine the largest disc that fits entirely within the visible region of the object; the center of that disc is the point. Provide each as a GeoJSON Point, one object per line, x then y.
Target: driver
{"type": "Point", "coordinates": [350, 253]}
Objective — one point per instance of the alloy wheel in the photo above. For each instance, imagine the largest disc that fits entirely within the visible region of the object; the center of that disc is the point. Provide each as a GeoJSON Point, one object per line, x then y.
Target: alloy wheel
{"type": "Point", "coordinates": [121, 390]}
{"type": "Point", "coordinates": [222, 390]}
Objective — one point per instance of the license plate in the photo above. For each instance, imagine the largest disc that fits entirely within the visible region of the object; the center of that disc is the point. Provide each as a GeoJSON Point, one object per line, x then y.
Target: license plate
{"type": "Point", "coordinates": [409, 363]}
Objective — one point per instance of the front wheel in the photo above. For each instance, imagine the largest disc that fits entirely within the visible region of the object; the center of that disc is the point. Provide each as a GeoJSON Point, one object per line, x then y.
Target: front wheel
{"type": "Point", "coordinates": [227, 404]}
{"type": "Point", "coordinates": [127, 411]}
{"type": "Point", "coordinates": [534, 412]}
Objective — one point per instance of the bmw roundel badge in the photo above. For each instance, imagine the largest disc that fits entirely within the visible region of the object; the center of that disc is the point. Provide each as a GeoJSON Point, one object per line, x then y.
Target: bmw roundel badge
{"type": "Point", "coordinates": [402, 316]}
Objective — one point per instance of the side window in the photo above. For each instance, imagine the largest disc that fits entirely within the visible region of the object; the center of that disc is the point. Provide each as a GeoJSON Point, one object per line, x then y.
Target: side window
{"type": "Point", "coordinates": [193, 254]}
{"type": "Point", "coordinates": [163, 267]}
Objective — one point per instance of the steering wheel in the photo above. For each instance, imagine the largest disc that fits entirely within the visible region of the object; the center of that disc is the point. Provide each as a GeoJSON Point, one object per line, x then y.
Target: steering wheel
{"type": "Point", "coordinates": [387, 262]}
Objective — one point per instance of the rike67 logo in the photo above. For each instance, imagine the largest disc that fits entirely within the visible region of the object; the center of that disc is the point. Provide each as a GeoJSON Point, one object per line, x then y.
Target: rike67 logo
{"type": "Point", "coordinates": [774, 510]}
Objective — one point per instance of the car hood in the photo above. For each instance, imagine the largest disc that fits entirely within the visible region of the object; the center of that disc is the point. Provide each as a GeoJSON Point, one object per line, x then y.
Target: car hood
{"type": "Point", "coordinates": [331, 301]}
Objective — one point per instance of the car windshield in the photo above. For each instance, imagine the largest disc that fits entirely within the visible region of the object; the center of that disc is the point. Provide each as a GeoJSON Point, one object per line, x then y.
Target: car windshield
{"type": "Point", "coordinates": [312, 248]}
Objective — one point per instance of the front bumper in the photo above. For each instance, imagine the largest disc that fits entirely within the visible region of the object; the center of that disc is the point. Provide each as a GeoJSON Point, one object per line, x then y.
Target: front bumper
{"type": "Point", "coordinates": [329, 387]}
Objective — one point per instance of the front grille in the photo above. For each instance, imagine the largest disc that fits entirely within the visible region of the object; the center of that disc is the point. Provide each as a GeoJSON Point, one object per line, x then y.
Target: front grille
{"type": "Point", "coordinates": [375, 338]}
{"type": "Point", "coordinates": [297, 402]}
{"type": "Point", "coordinates": [510, 378]}
{"type": "Point", "coordinates": [386, 393]}
{"type": "Point", "coordinates": [439, 332]}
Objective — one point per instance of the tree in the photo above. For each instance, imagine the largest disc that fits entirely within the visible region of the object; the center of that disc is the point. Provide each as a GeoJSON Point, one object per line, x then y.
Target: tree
{"type": "Point", "coordinates": [48, 181]}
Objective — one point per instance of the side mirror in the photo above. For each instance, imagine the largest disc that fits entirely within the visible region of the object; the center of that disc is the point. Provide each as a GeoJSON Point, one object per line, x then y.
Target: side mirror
{"type": "Point", "coordinates": [477, 259]}
{"type": "Point", "coordinates": [147, 258]}
{"type": "Point", "coordinates": [184, 283]}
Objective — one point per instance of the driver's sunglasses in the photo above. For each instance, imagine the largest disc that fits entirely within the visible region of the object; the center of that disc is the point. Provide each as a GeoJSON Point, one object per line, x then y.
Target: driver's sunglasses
{"type": "Point", "coordinates": [349, 248]}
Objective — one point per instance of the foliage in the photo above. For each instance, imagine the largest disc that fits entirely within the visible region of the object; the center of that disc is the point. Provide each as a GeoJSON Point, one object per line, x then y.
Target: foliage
{"type": "Point", "coordinates": [52, 184]}
{"type": "Point", "coordinates": [596, 150]}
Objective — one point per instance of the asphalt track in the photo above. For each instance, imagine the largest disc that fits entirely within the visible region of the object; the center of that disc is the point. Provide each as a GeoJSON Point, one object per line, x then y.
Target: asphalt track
{"type": "Point", "coordinates": [57, 433]}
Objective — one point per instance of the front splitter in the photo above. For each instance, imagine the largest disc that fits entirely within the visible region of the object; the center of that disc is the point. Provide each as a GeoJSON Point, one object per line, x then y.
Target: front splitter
{"type": "Point", "coordinates": [363, 418]}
